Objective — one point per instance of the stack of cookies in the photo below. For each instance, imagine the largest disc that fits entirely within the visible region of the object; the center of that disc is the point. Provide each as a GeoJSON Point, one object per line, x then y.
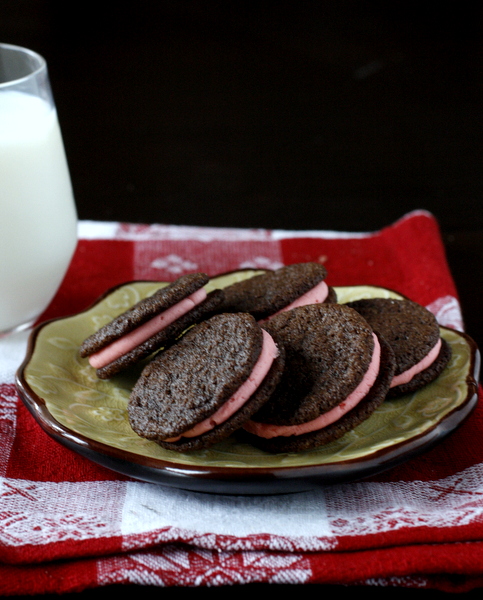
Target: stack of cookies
{"type": "Point", "coordinates": [274, 358]}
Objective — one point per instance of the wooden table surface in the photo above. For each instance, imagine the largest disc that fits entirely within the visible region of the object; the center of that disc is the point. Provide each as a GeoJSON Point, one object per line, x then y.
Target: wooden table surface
{"type": "Point", "coordinates": [336, 115]}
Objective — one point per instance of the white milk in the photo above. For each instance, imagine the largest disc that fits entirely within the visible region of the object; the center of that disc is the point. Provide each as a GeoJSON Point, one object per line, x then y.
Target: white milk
{"type": "Point", "coordinates": [38, 221]}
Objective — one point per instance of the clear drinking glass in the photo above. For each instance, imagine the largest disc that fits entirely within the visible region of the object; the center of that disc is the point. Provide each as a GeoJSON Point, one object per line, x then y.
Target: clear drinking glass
{"type": "Point", "coordinates": [38, 219]}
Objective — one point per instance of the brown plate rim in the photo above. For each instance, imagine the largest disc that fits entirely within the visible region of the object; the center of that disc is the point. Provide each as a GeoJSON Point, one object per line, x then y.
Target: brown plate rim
{"type": "Point", "coordinates": [245, 480]}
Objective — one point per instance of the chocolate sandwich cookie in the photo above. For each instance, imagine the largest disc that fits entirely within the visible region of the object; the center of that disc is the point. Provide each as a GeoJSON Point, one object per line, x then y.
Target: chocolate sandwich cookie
{"type": "Point", "coordinates": [413, 333]}
{"type": "Point", "coordinates": [337, 372]}
{"type": "Point", "coordinates": [150, 324]}
{"type": "Point", "coordinates": [207, 384]}
{"type": "Point", "coordinates": [268, 293]}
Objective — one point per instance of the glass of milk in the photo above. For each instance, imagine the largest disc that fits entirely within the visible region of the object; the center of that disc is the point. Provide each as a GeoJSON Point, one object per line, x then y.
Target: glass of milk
{"type": "Point", "coordinates": [38, 219]}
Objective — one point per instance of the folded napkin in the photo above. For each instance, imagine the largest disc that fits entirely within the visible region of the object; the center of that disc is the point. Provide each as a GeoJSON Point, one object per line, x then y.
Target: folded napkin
{"type": "Point", "coordinates": [67, 524]}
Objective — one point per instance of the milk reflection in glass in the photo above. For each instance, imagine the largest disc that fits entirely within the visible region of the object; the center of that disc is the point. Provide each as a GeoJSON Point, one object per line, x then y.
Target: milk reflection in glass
{"type": "Point", "coordinates": [38, 221]}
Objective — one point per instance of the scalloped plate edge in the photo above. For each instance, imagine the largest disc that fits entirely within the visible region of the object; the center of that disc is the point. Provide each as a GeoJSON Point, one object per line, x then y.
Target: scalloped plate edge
{"type": "Point", "coordinates": [233, 480]}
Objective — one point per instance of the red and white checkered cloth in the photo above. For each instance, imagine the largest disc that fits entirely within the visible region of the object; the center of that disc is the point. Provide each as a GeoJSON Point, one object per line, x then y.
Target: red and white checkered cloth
{"type": "Point", "coordinates": [67, 524]}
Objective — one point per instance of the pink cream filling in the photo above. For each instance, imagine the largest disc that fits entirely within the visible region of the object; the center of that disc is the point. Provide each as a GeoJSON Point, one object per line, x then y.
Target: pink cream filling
{"type": "Point", "coordinates": [267, 431]}
{"type": "Point", "coordinates": [139, 335]}
{"type": "Point", "coordinates": [406, 376]}
{"type": "Point", "coordinates": [316, 295]}
{"type": "Point", "coordinates": [262, 366]}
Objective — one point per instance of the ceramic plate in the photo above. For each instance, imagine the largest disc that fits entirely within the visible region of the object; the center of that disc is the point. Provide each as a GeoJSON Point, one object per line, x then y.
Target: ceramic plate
{"type": "Point", "coordinates": [89, 415]}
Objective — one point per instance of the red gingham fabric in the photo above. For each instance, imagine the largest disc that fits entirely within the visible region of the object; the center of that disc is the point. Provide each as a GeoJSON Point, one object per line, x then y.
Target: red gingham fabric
{"type": "Point", "coordinates": [67, 524]}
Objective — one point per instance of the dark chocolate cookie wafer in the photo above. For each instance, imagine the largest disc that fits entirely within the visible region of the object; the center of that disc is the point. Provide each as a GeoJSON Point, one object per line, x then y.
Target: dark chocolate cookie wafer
{"type": "Point", "coordinates": [192, 395]}
{"type": "Point", "coordinates": [273, 291]}
{"type": "Point", "coordinates": [413, 333]}
{"type": "Point", "coordinates": [150, 324]}
{"type": "Point", "coordinates": [336, 374]}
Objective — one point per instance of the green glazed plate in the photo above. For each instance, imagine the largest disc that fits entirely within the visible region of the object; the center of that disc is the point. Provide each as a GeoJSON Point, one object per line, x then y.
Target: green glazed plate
{"type": "Point", "coordinates": [89, 415]}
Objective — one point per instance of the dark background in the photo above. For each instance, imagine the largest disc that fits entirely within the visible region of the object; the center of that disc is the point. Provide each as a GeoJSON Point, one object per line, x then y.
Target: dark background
{"type": "Point", "coordinates": [296, 115]}
{"type": "Point", "coordinates": [329, 114]}
{"type": "Point", "coordinates": [217, 113]}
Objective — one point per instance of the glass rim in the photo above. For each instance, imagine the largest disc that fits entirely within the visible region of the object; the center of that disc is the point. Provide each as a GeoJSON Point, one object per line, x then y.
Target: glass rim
{"type": "Point", "coordinates": [42, 63]}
